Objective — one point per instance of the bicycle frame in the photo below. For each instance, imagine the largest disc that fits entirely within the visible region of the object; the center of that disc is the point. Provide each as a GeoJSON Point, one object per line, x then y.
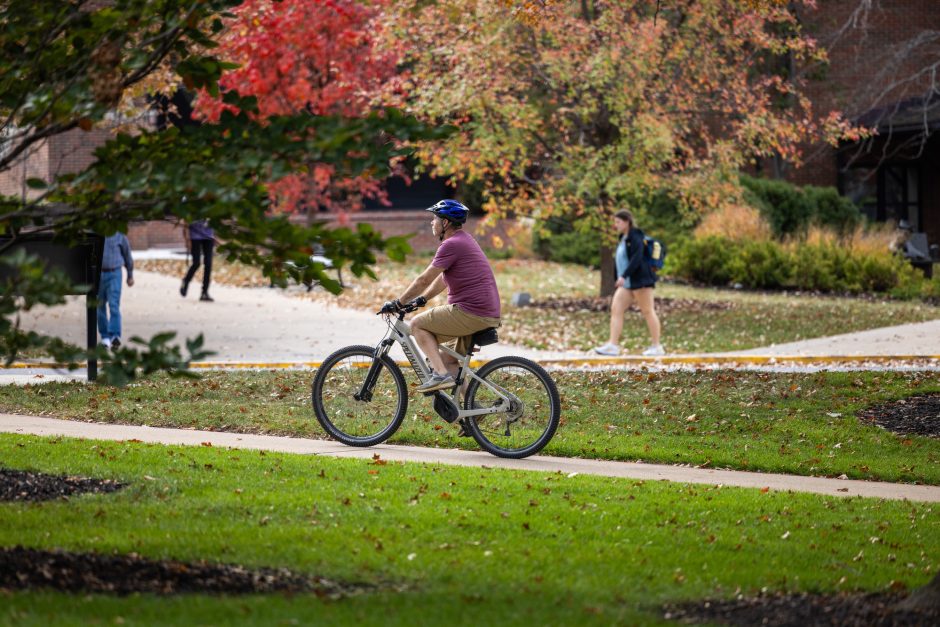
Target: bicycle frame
{"type": "Point", "coordinates": [401, 334]}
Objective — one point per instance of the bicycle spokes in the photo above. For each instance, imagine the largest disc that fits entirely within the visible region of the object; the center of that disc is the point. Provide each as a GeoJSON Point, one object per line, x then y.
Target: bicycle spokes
{"type": "Point", "coordinates": [359, 399]}
{"type": "Point", "coordinates": [529, 402]}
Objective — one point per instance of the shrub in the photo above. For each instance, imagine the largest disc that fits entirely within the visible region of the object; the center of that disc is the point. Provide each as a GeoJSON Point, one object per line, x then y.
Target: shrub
{"type": "Point", "coordinates": [659, 217]}
{"type": "Point", "coordinates": [788, 210]}
{"type": "Point", "coordinates": [557, 239]}
{"type": "Point", "coordinates": [760, 264]}
{"type": "Point", "coordinates": [878, 273]}
{"type": "Point", "coordinates": [832, 210]}
{"type": "Point", "coordinates": [705, 260]}
{"type": "Point", "coordinates": [575, 247]}
{"type": "Point", "coordinates": [817, 267]}
{"type": "Point", "coordinates": [791, 210]}
{"type": "Point", "coordinates": [824, 266]}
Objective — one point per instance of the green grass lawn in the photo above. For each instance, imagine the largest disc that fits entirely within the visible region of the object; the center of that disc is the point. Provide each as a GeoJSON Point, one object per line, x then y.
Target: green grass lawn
{"type": "Point", "coordinates": [460, 545]}
{"type": "Point", "coordinates": [744, 320]}
{"type": "Point", "coordinates": [791, 423]}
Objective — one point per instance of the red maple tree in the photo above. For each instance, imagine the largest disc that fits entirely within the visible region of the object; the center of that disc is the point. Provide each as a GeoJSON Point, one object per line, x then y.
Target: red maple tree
{"type": "Point", "coordinates": [318, 56]}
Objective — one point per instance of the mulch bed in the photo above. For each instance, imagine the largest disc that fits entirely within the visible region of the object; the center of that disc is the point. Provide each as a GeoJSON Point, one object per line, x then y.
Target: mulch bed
{"type": "Point", "coordinates": [804, 610]}
{"type": "Point", "coordinates": [24, 569]}
{"type": "Point", "coordinates": [18, 485]}
{"type": "Point", "coordinates": [916, 415]}
{"type": "Point", "coordinates": [598, 303]}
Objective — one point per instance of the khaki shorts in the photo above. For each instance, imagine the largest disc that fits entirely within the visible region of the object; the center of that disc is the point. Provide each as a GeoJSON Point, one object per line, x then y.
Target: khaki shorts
{"type": "Point", "coordinates": [453, 326]}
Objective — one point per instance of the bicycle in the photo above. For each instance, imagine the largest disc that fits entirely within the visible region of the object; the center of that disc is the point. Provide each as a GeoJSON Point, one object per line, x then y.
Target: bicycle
{"type": "Point", "coordinates": [510, 405]}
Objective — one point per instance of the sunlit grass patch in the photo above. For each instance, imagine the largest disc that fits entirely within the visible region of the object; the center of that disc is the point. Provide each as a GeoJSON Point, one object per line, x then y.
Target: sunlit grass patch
{"type": "Point", "coordinates": [788, 422]}
{"type": "Point", "coordinates": [460, 545]}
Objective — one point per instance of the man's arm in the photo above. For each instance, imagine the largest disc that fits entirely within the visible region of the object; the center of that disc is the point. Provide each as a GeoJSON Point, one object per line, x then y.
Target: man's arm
{"type": "Point", "coordinates": [125, 247]}
{"type": "Point", "coordinates": [425, 284]}
{"type": "Point", "coordinates": [436, 288]}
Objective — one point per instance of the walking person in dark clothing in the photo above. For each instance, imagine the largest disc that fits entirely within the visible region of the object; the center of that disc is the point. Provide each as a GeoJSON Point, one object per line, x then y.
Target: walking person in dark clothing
{"type": "Point", "coordinates": [635, 283]}
{"type": "Point", "coordinates": [117, 254]}
{"type": "Point", "coordinates": [200, 240]}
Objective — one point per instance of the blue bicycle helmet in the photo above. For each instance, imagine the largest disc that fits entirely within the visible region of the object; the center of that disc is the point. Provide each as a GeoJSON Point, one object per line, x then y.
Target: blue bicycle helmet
{"type": "Point", "coordinates": [450, 210]}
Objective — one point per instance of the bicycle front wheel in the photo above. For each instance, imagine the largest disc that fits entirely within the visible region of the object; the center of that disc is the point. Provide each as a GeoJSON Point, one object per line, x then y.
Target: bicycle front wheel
{"type": "Point", "coordinates": [346, 413]}
{"type": "Point", "coordinates": [529, 421]}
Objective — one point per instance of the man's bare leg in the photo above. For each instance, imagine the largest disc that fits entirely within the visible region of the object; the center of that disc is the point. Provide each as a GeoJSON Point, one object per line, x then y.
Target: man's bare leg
{"type": "Point", "coordinates": [427, 342]}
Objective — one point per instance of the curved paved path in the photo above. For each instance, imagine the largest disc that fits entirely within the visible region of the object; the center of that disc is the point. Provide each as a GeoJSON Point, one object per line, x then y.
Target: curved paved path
{"type": "Point", "coordinates": [649, 472]}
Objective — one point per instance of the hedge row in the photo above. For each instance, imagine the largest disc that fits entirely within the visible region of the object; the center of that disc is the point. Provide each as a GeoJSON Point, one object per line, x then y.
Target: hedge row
{"type": "Point", "coordinates": [772, 265]}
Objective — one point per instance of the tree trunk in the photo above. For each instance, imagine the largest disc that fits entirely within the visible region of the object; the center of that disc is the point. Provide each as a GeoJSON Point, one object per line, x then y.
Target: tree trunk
{"type": "Point", "coordinates": [608, 271]}
{"type": "Point", "coordinates": [923, 599]}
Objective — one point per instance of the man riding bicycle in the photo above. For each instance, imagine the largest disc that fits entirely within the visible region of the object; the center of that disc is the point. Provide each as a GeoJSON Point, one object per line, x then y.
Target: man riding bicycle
{"type": "Point", "coordinates": [472, 298]}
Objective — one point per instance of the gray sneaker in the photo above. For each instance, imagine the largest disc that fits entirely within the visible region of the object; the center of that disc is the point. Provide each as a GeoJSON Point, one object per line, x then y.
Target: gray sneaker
{"type": "Point", "coordinates": [437, 382]}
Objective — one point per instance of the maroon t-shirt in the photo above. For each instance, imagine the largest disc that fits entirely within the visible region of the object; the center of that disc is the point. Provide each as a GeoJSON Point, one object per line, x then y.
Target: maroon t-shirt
{"type": "Point", "coordinates": [467, 275]}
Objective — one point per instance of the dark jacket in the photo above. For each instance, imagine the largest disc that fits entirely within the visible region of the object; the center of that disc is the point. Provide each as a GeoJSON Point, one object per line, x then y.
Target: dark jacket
{"type": "Point", "coordinates": [638, 269]}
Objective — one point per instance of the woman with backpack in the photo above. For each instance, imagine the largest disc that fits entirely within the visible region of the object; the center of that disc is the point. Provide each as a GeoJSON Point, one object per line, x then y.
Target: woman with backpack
{"type": "Point", "coordinates": [635, 283]}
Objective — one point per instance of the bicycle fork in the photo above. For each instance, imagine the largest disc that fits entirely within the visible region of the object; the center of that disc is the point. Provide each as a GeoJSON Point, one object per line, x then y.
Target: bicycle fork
{"type": "Point", "coordinates": [368, 385]}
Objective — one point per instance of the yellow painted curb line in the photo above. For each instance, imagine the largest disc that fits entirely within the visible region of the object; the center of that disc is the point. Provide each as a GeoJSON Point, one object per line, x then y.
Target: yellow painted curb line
{"type": "Point", "coordinates": [585, 361]}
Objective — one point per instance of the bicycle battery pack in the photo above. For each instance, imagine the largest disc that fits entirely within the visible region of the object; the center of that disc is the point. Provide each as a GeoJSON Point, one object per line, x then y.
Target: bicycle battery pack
{"type": "Point", "coordinates": [445, 407]}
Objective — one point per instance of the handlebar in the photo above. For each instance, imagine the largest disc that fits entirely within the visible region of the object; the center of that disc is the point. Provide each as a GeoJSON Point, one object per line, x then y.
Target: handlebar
{"type": "Point", "coordinates": [393, 306]}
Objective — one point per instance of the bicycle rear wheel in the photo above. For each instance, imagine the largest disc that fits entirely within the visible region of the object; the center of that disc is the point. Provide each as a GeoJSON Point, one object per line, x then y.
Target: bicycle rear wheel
{"type": "Point", "coordinates": [342, 410]}
{"type": "Point", "coordinates": [528, 424]}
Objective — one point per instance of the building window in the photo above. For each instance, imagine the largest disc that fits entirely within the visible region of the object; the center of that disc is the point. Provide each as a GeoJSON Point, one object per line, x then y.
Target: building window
{"type": "Point", "coordinates": [890, 193]}
{"type": "Point", "coordinates": [901, 197]}
{"type": "Point", "coordinates": [861, 187]}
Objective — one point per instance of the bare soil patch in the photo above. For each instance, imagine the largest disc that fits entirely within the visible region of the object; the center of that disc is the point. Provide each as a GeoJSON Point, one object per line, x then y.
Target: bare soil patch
{"type": "Point", "coordinates": [19, 485]}
{"type": "Point", "coordinates": [805, 610]}
{"type": "Point", "coordinates": [23, 569]}
{"type": "Point", "coordinates": [599, 303]}
{"type": "Point", "coordinates": [916, 415]}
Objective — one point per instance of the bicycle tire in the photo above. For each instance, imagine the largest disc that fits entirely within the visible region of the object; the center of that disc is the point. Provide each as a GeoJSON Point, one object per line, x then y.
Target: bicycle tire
{"type": "Point", "coordinates": [343, 412]}
{"type": "Point", "coordinates": [535, 425]}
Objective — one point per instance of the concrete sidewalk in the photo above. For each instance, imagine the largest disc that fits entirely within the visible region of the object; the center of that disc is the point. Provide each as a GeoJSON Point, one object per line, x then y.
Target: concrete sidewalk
{"type": "Point", "coordinates": [244, 324]}
{"type": "Point", "coordinates": [648, 472]}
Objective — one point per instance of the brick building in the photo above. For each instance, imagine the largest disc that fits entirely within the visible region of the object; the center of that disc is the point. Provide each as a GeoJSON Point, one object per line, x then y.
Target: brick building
{"type": "Point", "coordinates": [884, 57]}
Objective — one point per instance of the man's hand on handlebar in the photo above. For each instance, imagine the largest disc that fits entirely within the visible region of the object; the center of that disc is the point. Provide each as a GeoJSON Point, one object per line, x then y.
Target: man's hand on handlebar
{"type": "Point", "coordinates": [391, 306]}
{"type": "Point", "coordinates": [396, 306]}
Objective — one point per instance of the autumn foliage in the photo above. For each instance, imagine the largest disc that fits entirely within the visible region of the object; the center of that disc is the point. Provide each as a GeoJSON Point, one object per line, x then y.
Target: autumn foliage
{"type": "Point", "coordinates": [583, 107]}
{"type": "Point", "coordinates": [314, 56]}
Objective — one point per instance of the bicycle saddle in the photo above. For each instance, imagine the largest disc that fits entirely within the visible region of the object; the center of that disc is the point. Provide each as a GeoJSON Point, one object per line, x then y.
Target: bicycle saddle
{"type": "Point", "coordinates": [484, 337]}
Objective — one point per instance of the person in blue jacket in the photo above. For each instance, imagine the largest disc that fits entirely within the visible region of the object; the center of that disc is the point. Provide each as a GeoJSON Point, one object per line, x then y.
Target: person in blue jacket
{"type": "Point", "coordinates": [116, 256]}
{"type": "Point", "coordinates": [635, 283]}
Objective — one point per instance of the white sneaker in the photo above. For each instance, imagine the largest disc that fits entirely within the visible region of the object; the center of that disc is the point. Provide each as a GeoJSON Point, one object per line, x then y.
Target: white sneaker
{"type": "Point", "coordinates": [654, 351]}
{"type": "Point", "coordinates": [608, 349]}
{"type": "Point", "coordinates": [106, 342]}
{"type": "Point", "coordinates": [436, 382]}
